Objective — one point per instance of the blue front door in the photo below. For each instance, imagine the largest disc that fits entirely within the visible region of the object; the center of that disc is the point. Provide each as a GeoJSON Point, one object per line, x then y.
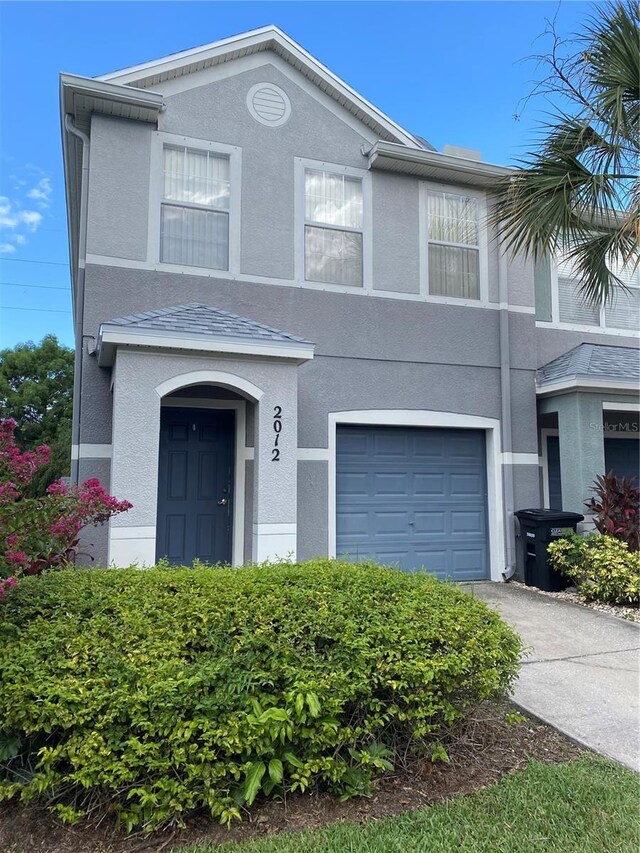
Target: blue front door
{"type": "Point", "coordinates": [413, 497]}
{"type": "Point", "coordinates": [195, 485]}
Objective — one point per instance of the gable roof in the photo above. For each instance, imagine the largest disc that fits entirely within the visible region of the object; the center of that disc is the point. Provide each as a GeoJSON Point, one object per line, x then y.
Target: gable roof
{"type": "Point", "coordinates": [196, 326]}
{"type": "Point", "coordinates": [591, 365]}
{"type": "Point", "coordinates": [270, 38]}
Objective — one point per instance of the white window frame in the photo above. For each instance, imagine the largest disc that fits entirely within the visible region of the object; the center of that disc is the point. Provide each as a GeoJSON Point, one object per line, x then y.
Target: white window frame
{"type": "Point", "coordinates": [160, 139]}
{"type": "Point", "coordinates": [300, 166]}
{"type": "Point", "coordinates": [483, 250]}
{"type": "Point", "coordinates": [601, 328]}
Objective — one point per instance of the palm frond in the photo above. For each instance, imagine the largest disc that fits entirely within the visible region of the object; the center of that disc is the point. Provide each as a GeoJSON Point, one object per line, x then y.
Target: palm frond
{"type": "Point", "coordinates": [579, 188]}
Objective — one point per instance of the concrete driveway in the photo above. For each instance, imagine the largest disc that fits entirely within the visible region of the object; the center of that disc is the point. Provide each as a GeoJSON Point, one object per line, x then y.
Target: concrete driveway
{"type": "Point", "coordinates": [582, 673]}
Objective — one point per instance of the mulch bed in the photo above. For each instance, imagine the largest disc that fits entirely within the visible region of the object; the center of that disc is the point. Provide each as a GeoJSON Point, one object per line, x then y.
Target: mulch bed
{"type": "Point", "coordinates": [481, 751]}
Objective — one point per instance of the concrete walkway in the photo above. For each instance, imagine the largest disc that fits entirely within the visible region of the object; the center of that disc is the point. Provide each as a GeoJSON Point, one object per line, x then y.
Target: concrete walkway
{"type": "Point", "coordinates": [582, 673]}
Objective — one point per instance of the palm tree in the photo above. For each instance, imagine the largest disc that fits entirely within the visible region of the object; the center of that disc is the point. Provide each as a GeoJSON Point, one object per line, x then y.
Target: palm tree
{"type": "Point", "coordinates": [577, 195]}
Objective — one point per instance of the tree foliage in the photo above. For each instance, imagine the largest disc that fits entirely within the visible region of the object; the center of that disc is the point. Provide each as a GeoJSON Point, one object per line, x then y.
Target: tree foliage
{"type": "Point", "coordinates": [36, 390]}
{"type": "Point", "coordinates": [577, 193]}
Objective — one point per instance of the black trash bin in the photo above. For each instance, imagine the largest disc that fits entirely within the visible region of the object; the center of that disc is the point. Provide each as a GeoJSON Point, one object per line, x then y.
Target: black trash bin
{"type": "Point", "coordinates": [538, 528]}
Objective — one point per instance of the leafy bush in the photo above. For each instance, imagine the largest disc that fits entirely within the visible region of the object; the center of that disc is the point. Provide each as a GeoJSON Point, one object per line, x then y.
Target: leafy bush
{"type": "Point", "coordinates": [160, 691]}
{"type": "Point", "coordinates": [616, 507]}
{"type": "Point", "coordinates": [42, 533]}
{"type": "Point", "coordinates": [603, 567]}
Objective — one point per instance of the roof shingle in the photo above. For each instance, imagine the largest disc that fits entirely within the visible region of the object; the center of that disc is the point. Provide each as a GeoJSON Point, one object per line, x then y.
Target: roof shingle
{"type": "Point", "coordinates": [195, 318]}
{"type": "Point", "coordinates": [594, 360]}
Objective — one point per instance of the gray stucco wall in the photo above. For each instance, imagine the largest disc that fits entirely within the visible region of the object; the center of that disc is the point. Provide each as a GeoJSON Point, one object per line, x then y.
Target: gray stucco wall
{"type": "Point", "coordinates": [396, 258]}
{"type": "Point", "coordinates": [119, 188]}
{"type": "Point", "coordinates": [370, 352]}
{"type": "Point", "coordinates": [313, 493]}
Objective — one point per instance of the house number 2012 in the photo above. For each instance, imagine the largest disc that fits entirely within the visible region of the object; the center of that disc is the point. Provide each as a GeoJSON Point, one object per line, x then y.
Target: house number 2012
{"type": "Point", "coordinates": [277, 428]}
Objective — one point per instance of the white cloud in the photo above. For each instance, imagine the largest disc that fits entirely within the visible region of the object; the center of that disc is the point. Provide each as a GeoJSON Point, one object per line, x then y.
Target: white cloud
{"type": "Point", "coordinates": [18, 218]}
{"type": "Point", "coordinates": [42, 192]}
{"type": "Point", "coordinates": [31, 218]}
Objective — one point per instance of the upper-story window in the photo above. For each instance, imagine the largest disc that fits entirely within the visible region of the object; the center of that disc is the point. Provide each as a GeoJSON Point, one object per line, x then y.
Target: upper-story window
{"type": "Point", "coordinates": [453, 233]}
{"type": "Point", "coordinates": [194, 228]}
{"type": "Point", "coordinates": [622, 312]}
{"type": "Point", "coordinates": [333, 228]}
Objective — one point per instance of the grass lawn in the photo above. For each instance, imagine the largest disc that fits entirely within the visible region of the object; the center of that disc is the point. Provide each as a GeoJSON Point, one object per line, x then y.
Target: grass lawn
{"type": "Point", "coordinates": [590, 804]}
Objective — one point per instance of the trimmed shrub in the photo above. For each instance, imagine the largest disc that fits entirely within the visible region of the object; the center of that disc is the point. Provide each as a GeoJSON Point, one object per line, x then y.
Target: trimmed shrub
{"type": "Point", "coordinates": [602, 567]}
{"type": "Point", "coordinates": [160, 691]}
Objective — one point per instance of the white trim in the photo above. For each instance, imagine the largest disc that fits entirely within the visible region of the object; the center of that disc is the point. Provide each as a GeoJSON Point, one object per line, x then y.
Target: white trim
{"type": "Point", "coordinates": [209, 377]}
{"type": "Point", "coordinates": [158, 140]}
{"type": "Point", "coordinates": [520, 459]}
{"type": "Point", "coordinates": [90, 451]}
{"type": "Point", "coordinates": [620, 407]}
{"type": "Point", "coordinates": [313, 454]}
{"type": "Point", "coordinates": [586, 383]}
{"type": "Point", "coordinates": [273, 542]}
{"type": "Point", "coordinates": [544, 456]}
{"type": "Point", "coordinates": [124, 263]}
{"type": "Point", "coordinates": [424, 187]}
{"type": "Point", "coordinates": [292, 53]}
{"type": "Point", "coordinates": [240, 474]}
{"type": "Point", "coordinates": [117, 336]}
{"type": "Point", "coordinates": [591, 330]}
{"type": "Point", "coordinates": [132, 545]}
{"type": "Point", "coordinates": [410, 417]}
{"type": "Point", "coordinates": [124, 532]}
{"type": "Point", "coordinates": [302, 163]}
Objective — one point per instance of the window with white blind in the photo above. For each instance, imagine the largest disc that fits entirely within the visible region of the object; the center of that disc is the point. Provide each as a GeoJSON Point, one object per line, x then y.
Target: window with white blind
{"type": "Point", "coordinates": [453, 234]}
{"type": "Point", "coordinates": [333, 228]}
{"type": "Point", "coordinates": [194, 223]}
{"type": "Point", "coordinates": [572, 308]}
{"type": "Point", "coordinates": [620, 313]}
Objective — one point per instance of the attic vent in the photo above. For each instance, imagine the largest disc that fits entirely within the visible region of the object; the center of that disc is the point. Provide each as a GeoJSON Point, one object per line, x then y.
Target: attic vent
{"type": "Point", "coordinates": [268, 104]}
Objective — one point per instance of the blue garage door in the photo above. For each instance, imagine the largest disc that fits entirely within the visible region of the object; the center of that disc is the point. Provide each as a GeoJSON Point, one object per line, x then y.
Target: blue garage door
{"type": "Point", "coordinates": [413, 497]}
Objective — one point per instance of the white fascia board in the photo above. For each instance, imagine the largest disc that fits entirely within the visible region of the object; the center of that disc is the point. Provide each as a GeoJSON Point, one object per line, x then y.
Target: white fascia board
{"type": "Point", "coordinates": [110, 339]}
{"type": "Point", "coordinates": [264, 38]}
{"type": "Point", "coordinates": [434, 160]}
{"type": "Point", "coordinates": [72, 85]}
{"type": "Point", "coordinates": [586, 383]}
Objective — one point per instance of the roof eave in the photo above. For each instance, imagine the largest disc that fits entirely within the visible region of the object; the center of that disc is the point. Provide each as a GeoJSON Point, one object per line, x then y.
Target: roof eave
{"type": "Point", "coordinates": [262, 39]}
{"type": "Point", "coordinates": [80, 97]}
{"type": "Point", "coordinates": [587, 383]}
{"type": "Point", "coordinates": [390, 156]}
{"type": "Point", "coordinates": [111, 337]}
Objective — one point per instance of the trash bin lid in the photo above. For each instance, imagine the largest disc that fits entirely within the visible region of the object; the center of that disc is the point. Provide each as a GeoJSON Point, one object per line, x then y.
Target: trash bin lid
{"type": "Point", "coordinates": [548, 516]}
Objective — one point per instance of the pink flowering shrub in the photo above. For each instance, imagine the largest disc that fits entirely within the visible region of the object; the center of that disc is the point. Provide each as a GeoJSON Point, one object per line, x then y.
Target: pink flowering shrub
{"type": "Point", "coordinates": [42, 533]}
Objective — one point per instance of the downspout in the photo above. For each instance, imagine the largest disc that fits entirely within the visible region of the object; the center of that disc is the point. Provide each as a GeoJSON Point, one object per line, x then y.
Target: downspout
{"type": "Point", "coordinates": [505, 413]}
{"type": "Point", "coordinates": [82, 256]}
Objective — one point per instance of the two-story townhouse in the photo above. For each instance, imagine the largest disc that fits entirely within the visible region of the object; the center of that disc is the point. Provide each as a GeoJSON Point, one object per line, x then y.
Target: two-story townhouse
{"type": "Point", "coordinates": [296, 334]}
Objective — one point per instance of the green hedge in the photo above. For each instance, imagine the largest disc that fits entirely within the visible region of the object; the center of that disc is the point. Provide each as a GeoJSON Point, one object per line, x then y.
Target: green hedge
{"type": "Point", "coordinates": [163, 690]}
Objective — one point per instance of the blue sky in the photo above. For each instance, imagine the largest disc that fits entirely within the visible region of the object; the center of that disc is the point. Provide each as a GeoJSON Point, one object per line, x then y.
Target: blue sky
{"type": "Point", "coordinates": [449, 71]}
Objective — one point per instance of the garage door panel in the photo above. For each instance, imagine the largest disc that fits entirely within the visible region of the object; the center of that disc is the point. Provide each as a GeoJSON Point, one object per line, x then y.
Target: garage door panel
{"type": "Point", "coordinates": [429, 523]}
{"type": "Point", "coordinates": [431, 485]}
{"type": "Point", "coordinates": [390, 446]}
{"type": "Point", "coordinates": [465, 484]}
{"type": "Point", "coordinates": [390, 484]}
{"type": "Point", "coordinates": [413, 497]}
{"type": "Point", "coordinates": [468, 521]}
